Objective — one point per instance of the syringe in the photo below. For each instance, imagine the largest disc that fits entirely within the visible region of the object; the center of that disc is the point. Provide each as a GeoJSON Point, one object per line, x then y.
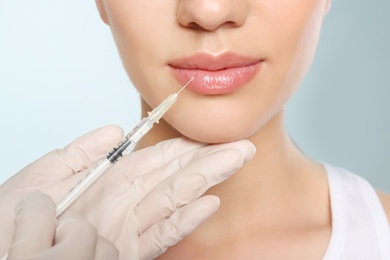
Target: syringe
{"type": "Point", "coordinates": [123, 148]}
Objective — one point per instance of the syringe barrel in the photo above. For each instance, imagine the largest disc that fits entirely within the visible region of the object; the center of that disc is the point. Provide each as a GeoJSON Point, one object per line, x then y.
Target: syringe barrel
{"type": "Point", "coordinates": [129, 141]}
{"type": "Point", "coordinates": [83, 185]}
{"type": "Point", "coordinates": [123, 148]}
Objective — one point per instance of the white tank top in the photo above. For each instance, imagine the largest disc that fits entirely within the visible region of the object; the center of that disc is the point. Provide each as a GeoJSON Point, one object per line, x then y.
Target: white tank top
{"type": "Point", "coordinates": [360, 229]}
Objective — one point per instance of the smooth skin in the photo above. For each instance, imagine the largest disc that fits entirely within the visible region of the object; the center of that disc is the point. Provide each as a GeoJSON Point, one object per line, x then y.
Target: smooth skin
{"type": "Point", "coordinates": [277, 206]}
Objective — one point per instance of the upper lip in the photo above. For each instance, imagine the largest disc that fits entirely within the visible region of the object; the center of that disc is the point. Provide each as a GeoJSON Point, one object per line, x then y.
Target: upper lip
{"type": "Point", "coordinates": [205, 61]}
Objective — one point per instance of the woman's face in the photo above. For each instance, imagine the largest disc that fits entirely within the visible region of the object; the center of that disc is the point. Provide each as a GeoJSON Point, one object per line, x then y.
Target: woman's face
{"type": "Point", "coordinates": [246, 56]}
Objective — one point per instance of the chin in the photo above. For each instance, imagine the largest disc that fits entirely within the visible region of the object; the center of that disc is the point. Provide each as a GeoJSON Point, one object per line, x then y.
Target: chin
{"type": "Point", "coordinates": [223, 130]}
{"type": "Point", "coordinates": [216, 135]}
{"type": "Point", "coordinates": [216, 126]}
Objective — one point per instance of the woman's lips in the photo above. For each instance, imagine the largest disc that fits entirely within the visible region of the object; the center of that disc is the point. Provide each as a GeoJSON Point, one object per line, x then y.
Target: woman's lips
{"type": "Point", "coordinates": [215, 75]}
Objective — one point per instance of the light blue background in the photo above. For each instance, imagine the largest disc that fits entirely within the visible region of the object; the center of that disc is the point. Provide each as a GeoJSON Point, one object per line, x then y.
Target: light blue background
{"type": "Point", "coordinates": [60, 77]}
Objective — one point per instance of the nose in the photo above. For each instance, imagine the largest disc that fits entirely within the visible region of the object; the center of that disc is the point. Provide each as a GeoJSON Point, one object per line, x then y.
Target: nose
{"type": "Point", "coordinates": [209, 15]}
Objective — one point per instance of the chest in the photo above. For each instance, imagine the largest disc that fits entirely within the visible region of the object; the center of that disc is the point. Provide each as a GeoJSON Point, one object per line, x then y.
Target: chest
{"type": "Point", "coordinates": [310, 244]}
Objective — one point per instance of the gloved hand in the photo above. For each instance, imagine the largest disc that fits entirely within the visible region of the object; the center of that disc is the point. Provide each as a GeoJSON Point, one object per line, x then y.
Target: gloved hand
{"type": "Point", "coordinates": [38, 235]}
{"type": "Point", "coordinates": [144, 204]}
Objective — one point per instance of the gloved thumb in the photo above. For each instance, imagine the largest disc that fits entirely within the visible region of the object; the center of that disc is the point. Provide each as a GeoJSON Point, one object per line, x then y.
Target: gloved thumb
{"type": "Point", "coordinates": [34, 214]}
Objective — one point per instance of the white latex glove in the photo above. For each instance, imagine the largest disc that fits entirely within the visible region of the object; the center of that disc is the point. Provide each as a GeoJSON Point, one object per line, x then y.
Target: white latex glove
{"type": "Point", "coordinates": [39, 236]}
{"type": "Point", "coordinates": [145, 203]}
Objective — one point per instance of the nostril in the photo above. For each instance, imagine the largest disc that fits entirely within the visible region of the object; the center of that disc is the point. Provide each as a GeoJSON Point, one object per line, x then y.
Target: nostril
{"type": "Point", "coordinates": [194, 25]}
{"type": "Point", "coordinates": [231, 24]}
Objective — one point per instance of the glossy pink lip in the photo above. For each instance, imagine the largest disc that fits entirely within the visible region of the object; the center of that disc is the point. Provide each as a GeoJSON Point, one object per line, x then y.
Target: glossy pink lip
{"type": "Point", "coordinates": [215, 75]}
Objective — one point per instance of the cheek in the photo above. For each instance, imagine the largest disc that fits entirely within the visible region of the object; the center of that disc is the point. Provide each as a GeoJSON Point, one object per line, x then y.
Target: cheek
{"type": "Point", "coordinates": [139, 29]}
{"type": "Point", "coordinates": [295, 30]}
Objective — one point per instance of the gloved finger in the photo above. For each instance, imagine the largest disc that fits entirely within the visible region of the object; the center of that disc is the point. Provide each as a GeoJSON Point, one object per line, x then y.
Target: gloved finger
{"type": "Point", "coordinates": [153, 157]}
{"type": "Point", "coordinates": [75, 238]}
{"type": "Point", "coordinates": [105, 250]}
{"type": "Point", "coordinates": [35, 225]}
{"type": "Point", "coordinates": [131, 167]}
{"type": "Point", "coordinates": [186, 185]}
{"type": "Point", "coordinates": [168, 232]}
{"type": "Point", "coordinates": [144, 184]}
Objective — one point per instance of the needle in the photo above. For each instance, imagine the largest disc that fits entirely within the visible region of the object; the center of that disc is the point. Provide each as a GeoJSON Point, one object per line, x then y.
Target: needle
{"type": "Point", "coordinates": [185, 86]}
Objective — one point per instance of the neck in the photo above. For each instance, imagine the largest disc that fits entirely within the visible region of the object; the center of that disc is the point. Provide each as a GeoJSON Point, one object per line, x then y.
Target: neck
{"type": "Point", "coordinates": [269, 177]}
{"type": "Point", "coordinates": [277, 176]}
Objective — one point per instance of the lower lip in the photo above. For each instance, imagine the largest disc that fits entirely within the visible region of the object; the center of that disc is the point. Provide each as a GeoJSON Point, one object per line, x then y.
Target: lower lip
{"type": "Point", "coordinates": [225, 81]}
